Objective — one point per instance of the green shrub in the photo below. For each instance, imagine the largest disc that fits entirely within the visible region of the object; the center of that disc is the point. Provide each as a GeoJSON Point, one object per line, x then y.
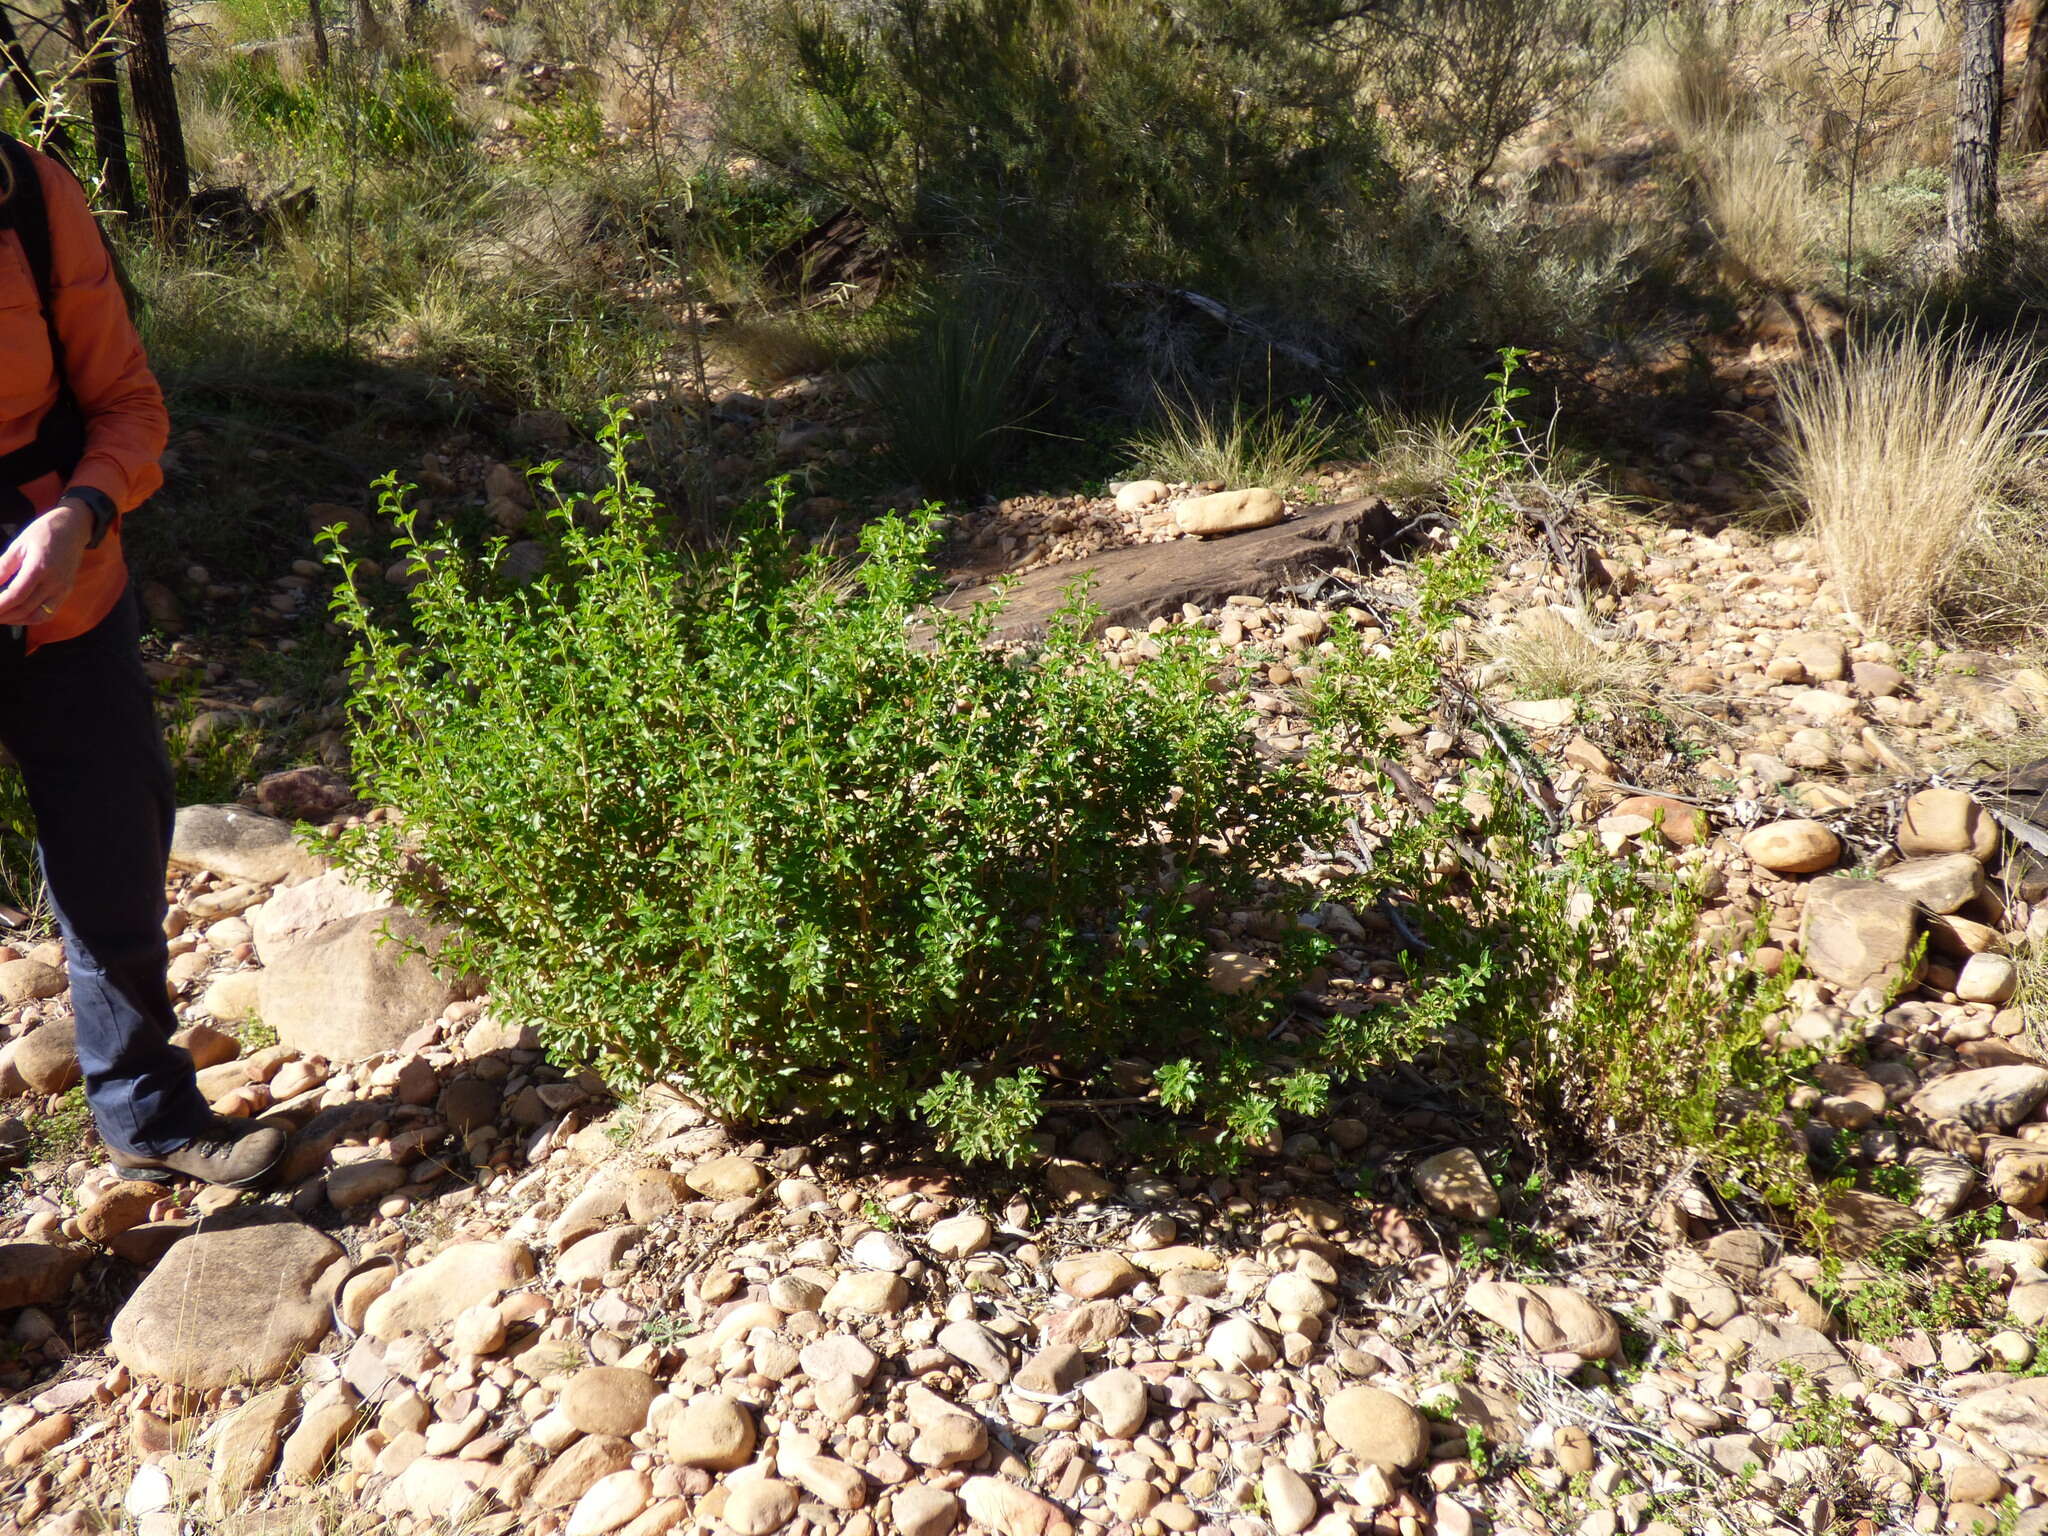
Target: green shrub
{"type": "Point", "coordinates": [740, 823]}
{"type": "Point", "coordinates": [1607, 1019]}
{"type": "Point", "coordinates": [1464, 77]}
{"type": "Point", "coordinates": [403, 114]}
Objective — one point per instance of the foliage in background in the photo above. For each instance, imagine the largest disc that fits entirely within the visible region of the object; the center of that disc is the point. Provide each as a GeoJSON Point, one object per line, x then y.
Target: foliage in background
{"type": "Point", "coordinates": [737, 823]}
{"type": "Point", "coordinates": [1105, 155]}
{"type": "Point", "coordinates": [1464, 77]}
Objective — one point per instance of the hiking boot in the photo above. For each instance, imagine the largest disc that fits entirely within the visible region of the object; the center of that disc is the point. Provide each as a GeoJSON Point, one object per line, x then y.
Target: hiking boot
{"type": "Point", "coordinates": [236, 1154]}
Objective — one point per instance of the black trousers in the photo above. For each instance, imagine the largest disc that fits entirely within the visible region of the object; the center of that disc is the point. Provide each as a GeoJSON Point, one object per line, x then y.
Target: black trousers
{"type": "Point", "coordinates": [78, 716]}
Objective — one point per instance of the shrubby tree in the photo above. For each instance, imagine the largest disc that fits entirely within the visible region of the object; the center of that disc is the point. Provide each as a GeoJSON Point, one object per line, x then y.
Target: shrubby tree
{"type": "Point", "coordinates": [767, 827]}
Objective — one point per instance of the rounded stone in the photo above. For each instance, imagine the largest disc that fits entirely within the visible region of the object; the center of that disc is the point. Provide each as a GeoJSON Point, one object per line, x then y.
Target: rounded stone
{"type": "Point", "coordinates": [712, 1432]}
{"type": "Point", "coordinates": [609, 1400]}
{"type": "Point", "coordinates": [1987, 978]}
{"type": "Point", "coordinates": [726, 1178]}
{"type": "Point", "coordinates": [1947, 821]}
{"type": "Point", "coordinates": [1377, 1427]}
{"type": "Point", "coordinates": [759, 1506]}
{"type": "Point", "coordinates": [1793, 847]}
{"type": "Point", "coordinates": [47, 1056]}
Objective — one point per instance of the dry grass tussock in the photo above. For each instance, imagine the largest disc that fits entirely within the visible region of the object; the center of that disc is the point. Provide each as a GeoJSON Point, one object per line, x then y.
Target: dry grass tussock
{"type": "Point", "coordinates": [1911, 456]}
{"type": "Point", "coordinates": [1760, 203]}
{"type": "Point", "coordinates": [1274, 448]}
{"type": "Point", "coordinates": [771, 348]}
{"type": "Point", "coordinates": [1545, 653]}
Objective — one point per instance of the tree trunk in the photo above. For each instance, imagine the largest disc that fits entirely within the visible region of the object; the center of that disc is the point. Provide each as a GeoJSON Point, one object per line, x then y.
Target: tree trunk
{"type": "Point", "coordinates": [1973, 170]}
{"type": "Point", "coordinates": [92, 35]}
{"type": "Point", "coordinates": [164, 169]}
{"type": "Point", "coordinates": [318, 19]}
{"type": "Point", "coordinates": [14, 62]}
{"type": "Point", "coordinates": [2030, 111]}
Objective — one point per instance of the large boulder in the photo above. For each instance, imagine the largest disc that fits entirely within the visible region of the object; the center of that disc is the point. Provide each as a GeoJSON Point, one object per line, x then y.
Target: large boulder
{"type": "Point", "coordinates": [1857, 933]}
{"type": "Point", "coordinates": [230, 1307]}
{"type": "Point", "coordinates": [298, 911]}
{"type": "Point", "coordinates": [357, 987]}
{"type": "Point", "coordinates": [236, 844]}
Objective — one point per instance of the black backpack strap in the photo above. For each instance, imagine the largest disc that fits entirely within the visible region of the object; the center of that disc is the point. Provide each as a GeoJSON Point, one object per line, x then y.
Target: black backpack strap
{"type": "Point", "coordinates": [60, 437]}
{"type": "Point", "coordinates": [28, 216]}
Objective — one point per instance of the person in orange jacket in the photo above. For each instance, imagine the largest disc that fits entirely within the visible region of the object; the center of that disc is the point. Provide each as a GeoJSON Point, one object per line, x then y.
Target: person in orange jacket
{"type": "Point", "coordinates": [82, 424]}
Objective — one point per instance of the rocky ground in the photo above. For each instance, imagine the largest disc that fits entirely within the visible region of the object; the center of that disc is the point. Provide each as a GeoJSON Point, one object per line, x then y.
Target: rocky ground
{"type": "Point", "coordinates": [489, 1297]}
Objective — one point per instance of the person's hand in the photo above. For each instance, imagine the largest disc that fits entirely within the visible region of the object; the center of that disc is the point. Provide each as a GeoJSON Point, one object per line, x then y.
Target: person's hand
{"type": "Point", "coordinates": [38, 568]}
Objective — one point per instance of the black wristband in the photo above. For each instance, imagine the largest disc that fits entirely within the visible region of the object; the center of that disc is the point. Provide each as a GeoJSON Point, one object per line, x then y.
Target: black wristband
{"type": "Point", "coordinates": [100, 505]}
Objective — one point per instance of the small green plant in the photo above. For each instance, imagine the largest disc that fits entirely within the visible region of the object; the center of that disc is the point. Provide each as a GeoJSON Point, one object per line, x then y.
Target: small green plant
{"type": "Point", "coordinates": [220, 753]}
{"type": "Point", "coordinates": [738, 822]}
{"type": "Point", "coordinates": [1475, 1450]}
{"type": "Point", "coordinates": [1912, 1280]}
{"type": "Point", "coordinates": [1510, 1247]}
{"type": "Point", "coordinates": [1819, 1418]}
{"type": "Point", "coordinates": [1601, 1012]}
{"type": "Point", "coordinates": [64, 1132]}
{"type": "Point", "coordinates": [21, 876]}
{"type": "Point", "coordinates": [1359, 698]}
{"type": "Point", "coordinates": [877, 1215]}
{"type": "Point", "coordinates": [666, 1330]}
{"type": "Point", "coordinates": [1895, 1181]}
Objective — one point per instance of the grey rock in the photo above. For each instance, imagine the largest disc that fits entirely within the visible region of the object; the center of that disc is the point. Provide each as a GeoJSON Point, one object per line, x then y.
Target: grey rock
{"type": "Point", "coordinates": [236, 844]}
{"type": "Point", "coordinates": [1985, 1098]}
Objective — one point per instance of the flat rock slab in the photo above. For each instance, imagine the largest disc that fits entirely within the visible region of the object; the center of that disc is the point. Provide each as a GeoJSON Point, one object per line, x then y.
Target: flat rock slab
{"type": "Point", "coordinates": [230, 1307]}
{"type": "Point", "coordinates": [1135, 585]}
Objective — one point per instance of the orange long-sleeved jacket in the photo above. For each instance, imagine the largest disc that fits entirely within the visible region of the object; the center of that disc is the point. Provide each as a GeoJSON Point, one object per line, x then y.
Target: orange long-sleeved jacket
{"type": "Point", "coordinates": [126, 423]}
